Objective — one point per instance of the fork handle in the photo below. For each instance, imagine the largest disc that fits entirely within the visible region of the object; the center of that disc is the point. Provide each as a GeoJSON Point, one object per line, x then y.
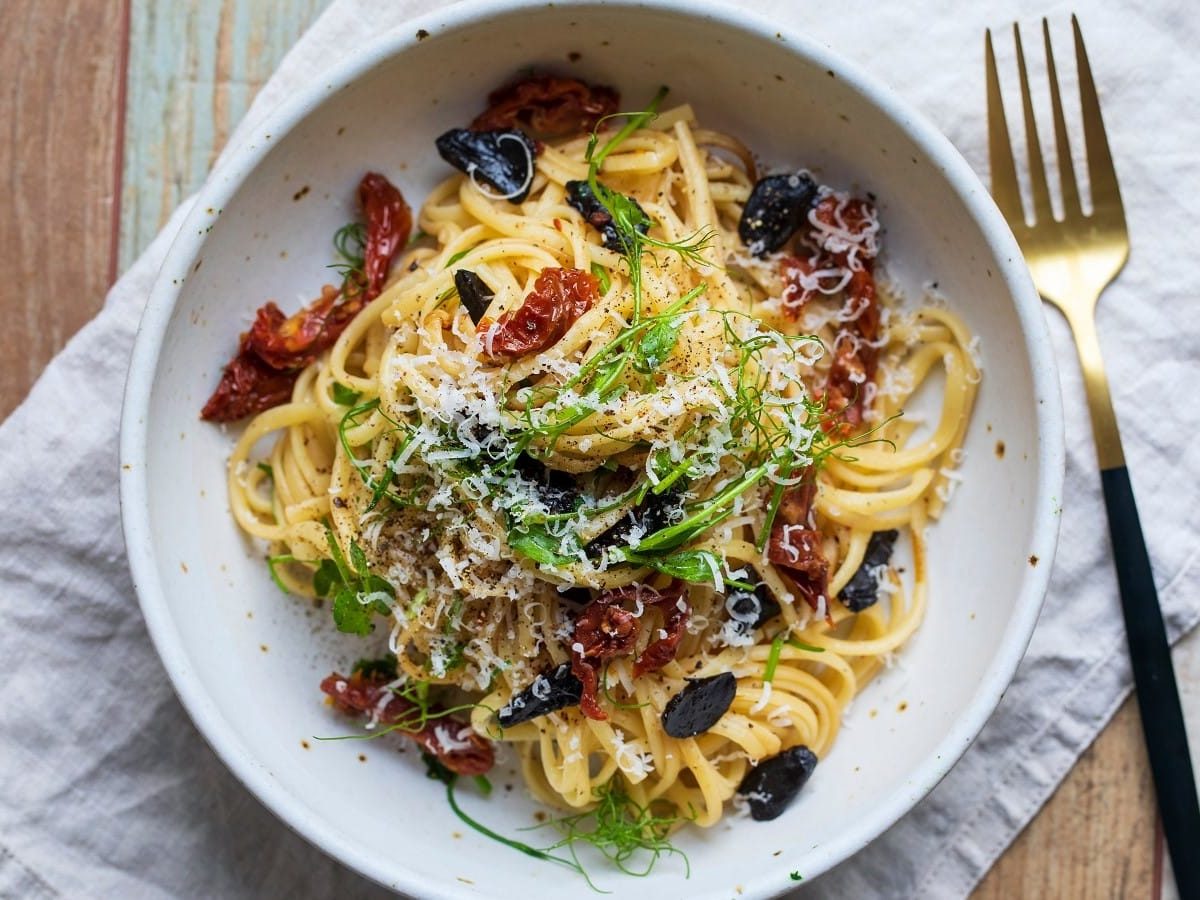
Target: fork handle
{"type": "Point", "coordinates": [1154, 679]}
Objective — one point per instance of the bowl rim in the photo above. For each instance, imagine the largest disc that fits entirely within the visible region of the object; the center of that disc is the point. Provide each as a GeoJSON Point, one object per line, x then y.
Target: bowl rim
{"type": "Point", "coordinates": [240, 161]}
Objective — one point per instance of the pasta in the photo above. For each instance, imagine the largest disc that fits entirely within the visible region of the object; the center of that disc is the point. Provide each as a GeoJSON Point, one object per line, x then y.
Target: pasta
{"type": "Point", "coordinates": [710, 456]}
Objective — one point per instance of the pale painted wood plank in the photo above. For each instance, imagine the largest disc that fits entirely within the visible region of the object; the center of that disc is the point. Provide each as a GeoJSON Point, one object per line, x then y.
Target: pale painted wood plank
{"type": "Point", "coordinates": [194, 68]}
{"type": "Point", "coordinates": [60, 88]}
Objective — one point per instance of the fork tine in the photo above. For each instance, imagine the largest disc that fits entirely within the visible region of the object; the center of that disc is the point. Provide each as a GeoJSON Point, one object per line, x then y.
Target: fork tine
{"type": "Point", "coordinates": [1101, 173]}
{"type": "Point", "coordinates": [1042, 211]}
{"type": "Point", "coordinates": [1005, 188]}
{"type": "Point", "coordinates": [1066, 168]}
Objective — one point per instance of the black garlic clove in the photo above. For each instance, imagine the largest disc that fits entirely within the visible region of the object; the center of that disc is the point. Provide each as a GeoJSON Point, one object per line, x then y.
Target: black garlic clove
{"type": "Point", "coordinates": [771, 785]}
{"type": "Point", "coordinates": [862, 590]}
{"type": "Point", "coordinates": [502, 159]}
{"type": "Point", "coordinates": [699, 706]}
{"type": "Point", "coordinates": [575, 597]}
{"type": "Point", "coordinates": [557, 689]}
{"type": "Point", "coordinates": [751, 609]}
{"type": "Point", "coordinates": [557, 490]}
{"type": "Point", "coordinates": [656, 512]}
{"type": "Point", "coordinates": [473, 293]}
{"type": "Point", "coordinates": [777, 207]}
{"type": "Point", "coordinates": [581, 197]}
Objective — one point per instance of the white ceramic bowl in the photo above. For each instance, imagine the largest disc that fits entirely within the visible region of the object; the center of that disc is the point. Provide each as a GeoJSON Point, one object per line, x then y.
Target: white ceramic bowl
{"type": "Point", "coordinates": [246, 661]}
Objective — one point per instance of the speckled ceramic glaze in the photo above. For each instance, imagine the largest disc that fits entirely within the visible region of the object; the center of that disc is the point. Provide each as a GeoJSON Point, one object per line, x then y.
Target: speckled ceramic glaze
{"type": "Point", "coordinates": [246, 660]}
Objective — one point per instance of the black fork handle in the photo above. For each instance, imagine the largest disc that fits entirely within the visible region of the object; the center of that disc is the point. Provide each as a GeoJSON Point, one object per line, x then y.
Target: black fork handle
{"type": "Point", "coordinates": [1154, 680]}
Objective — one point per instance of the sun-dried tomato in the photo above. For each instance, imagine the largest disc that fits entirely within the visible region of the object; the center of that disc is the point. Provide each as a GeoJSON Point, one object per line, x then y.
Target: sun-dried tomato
{"type": "Point", "coordinates": [547, 106]}
{"type": "Point", "coordinates": [247, 386]}
{"type": "Point", "coordinates": [855, 354]}
{"type": "Point", "coordinates": [602, 632]}
{"type": "Point", "coordinates": [847, 229]}
{"type": "Point", "coordinates": [389, 221]}
{"type": "Point", "coordinates": [559, 297]}
{"type": "Point", "coordinates": [275, 349]}
{"type": "Point", "coordinates": [292, 342]}
{"type": "Point", "coordinates": [675, 611]}
{"type": "Point", "coordinates": [795, 546]}
{"type": "Point", "coordinates": [843, 233]}
{"type": "Point", "coordinates": [795, 506]}
{"type": "Point", "coordinates": [804, 277]}
{"type": "Point", "coordinates": [605, 630]}
{"type": "Point", "coordinates": [452, 741]}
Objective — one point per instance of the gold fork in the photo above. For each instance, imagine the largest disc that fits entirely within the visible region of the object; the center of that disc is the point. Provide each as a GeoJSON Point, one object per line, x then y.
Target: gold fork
{"type": "Point", "coordinates": [1073, 259]}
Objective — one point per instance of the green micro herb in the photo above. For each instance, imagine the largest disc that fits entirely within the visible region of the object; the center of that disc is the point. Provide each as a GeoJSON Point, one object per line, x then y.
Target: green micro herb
{"type": "Point", "coordinates": [438, 772]}
{"type": "Point", "coordinates": [629, 220]}
{"type": "Point", "coordinates": [602, 276]}
{"type": "Point", "coordinates": [345, 396]}
{"type": "Point", "coordinates": [773, 657]}
{"type": "Point", "coordinates": [606, 691]}
{"type": "Point", "coordinates": [382, 667]}
{"type": "Point", "coordinates": [357, 593]}
{"type": "Point", "coordinates": [378, 474]}
{"type": "Point", "coordinates": [350, 242]}
{"type": "Point", "coordinates": [272, 562]}
{"type": "Point", "coordinates": [459, 255]}
{"type": "Point", "coordinates": [801, 645]}
{"type": "Point", "coordinates": [776, 652]}
{"type": "Point", "coordinates": [533, 541]}
{"type": "Point", "coordinates": [631, 836]}
{"type": "Point", "coordinates": [796, 876]}
{"type": "Point", "coordinates": [695, 566]}
{"type": "Point", "coordinates": [419, 709]}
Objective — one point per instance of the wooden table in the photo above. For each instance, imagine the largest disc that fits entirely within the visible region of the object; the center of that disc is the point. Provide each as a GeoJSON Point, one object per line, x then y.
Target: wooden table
{"type": "Point", "coordinates": [113, 111]}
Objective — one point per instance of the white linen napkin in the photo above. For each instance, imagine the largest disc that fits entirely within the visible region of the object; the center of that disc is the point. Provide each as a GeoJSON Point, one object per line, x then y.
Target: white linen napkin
{"type": "Point", "coordinates": [106, 788]}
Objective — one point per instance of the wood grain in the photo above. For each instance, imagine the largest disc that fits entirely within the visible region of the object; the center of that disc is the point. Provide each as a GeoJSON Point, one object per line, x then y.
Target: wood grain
{"type": "Point", "coordinates": [194, 68]}
{"type": "Point", "coordinates": [60, 114]}
{"type": "Point", "coordinates": [1096, 838]}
